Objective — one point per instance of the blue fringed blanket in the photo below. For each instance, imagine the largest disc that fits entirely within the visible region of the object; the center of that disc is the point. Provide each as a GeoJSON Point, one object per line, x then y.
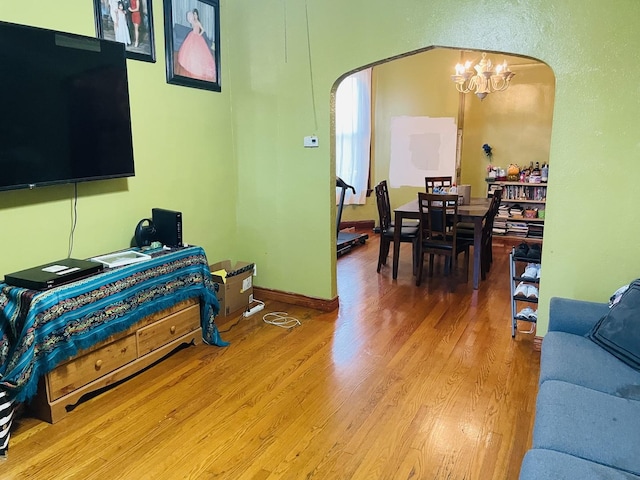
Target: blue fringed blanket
{"type": "Point", "coordinates": [40, 330]}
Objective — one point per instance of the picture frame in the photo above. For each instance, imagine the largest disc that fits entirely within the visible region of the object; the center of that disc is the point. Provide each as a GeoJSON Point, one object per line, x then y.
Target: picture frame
{"type": "Point", "coordinates": [138, 36]}
{"type": "Point", "coordinates": [192, 43]}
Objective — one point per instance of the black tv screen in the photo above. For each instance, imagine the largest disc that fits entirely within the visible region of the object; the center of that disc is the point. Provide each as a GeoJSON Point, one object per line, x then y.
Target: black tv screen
{"type": "Point", "coordinates": [64, 108]}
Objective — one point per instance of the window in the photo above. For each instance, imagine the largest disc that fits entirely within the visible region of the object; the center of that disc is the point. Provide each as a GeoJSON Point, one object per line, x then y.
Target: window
{"type": "Point", "coordinates": [353, 134]}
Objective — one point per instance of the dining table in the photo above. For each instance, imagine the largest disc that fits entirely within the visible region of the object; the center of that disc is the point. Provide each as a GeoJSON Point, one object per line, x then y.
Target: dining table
{"type": "Point", "coordinates": [474, 212]}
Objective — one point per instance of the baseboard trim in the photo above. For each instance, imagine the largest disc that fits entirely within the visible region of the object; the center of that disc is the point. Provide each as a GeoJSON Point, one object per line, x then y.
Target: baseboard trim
{"type": "Point", "coordinates": [296, 299]}
{"type": "Point", "coordinates": [537, 343]}
{"type": "Point", "coordinates": [358, 224]}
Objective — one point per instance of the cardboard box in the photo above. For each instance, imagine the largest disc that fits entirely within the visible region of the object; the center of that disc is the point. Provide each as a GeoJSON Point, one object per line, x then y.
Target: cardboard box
{"type": "Point", "coordinates": [235, 285]}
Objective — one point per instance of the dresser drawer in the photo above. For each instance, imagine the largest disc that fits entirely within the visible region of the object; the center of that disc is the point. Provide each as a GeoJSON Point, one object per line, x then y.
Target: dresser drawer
{"type": "Point", "coordinates": [165, 331]}
{"type": "Point", "coordinates": [78, 372]}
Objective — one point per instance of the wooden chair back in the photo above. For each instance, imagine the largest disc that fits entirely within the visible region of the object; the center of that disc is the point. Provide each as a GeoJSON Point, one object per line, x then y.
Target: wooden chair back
{"type": "Point", "coordinates": [384, 206]}
{"type": "Point", "coordinates": [438, 219]}
{"type": "Point", "coordinates": [433, 182]}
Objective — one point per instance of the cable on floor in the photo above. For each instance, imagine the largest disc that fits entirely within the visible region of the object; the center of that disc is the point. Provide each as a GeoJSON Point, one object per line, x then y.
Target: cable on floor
{"type": "Point", "coordinates": [281, 319]}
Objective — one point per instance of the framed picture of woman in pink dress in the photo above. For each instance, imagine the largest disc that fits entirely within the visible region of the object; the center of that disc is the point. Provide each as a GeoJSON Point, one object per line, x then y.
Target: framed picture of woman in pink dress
{"type": "Point", "coordinates": [129, 22]}
{"type": "Point", "coordinates": [192, 43]}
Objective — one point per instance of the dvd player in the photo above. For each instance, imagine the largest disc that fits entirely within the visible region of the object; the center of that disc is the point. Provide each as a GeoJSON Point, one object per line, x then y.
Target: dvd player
{"type": "Point", "coordinates": [53, 274]}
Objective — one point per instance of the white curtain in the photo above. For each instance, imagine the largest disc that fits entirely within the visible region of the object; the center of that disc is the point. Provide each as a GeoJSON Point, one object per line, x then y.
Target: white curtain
{"type": "Point", "coordinates": [353, 135]}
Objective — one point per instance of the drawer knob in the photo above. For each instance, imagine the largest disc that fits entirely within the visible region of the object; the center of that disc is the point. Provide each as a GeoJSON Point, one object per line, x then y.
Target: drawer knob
{"type": "Point", "coordinates": [98, 364]}
{"type": "Point", "coordinates": [173, 329]}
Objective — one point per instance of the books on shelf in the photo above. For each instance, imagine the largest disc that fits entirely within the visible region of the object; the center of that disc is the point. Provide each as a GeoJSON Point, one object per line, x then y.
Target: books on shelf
{"type": "Point", "coordinates": [517, 229]}
{"type": "Point", "coordinates": [524, 192]}
{"type": "Point", "coordinates": [517, 214]}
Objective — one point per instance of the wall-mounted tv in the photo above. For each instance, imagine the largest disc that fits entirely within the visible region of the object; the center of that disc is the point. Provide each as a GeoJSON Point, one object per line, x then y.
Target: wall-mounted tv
{"type": "Point", "coordinates": [64, 108]}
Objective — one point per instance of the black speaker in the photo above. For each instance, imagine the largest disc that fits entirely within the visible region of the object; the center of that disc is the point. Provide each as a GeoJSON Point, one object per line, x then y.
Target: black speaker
{"type": "Point", "coordinates": [168, 226]}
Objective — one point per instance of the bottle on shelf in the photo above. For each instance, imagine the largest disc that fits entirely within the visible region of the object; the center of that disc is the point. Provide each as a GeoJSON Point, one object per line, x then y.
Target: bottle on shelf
{"type": "Point", "coordinates": [536, 170]}
{"type": "Point", "coordinates": [544, 174]}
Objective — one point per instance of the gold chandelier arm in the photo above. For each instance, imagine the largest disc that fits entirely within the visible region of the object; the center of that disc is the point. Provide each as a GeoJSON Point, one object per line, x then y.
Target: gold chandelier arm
{"type": "Point", "coordinates": [498, 83]}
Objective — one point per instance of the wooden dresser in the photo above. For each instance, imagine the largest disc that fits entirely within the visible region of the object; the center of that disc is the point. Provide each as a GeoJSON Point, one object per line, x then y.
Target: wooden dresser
{"type": "Point", "coordinates": [116, 358]}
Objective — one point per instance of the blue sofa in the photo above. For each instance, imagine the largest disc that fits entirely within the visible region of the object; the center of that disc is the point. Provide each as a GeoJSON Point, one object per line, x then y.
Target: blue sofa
{"type": "Point", "coordinates": [587, 423]}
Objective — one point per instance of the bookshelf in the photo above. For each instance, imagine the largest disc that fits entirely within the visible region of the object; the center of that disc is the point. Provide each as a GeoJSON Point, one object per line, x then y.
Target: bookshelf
{"type": "Point", "coordinates": [522, 210]}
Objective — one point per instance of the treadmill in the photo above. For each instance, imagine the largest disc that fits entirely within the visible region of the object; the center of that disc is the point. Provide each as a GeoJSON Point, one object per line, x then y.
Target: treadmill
{"type": "Point", "coordinates": [346, 240]}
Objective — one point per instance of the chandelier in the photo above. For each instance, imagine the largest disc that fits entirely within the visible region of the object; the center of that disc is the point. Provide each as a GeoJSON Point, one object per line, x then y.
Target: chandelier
{"type": "Point", "coordinates": [485, 80]}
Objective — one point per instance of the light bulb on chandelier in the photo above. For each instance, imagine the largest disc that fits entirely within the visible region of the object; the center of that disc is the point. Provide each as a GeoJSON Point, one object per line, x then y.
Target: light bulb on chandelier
{"type": "Point", "coordinates": [485, 80]}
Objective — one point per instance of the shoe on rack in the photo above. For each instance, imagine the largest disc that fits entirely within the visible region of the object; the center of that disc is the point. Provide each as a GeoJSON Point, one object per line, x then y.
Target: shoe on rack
{"type": "Point", "coordinates": [533, 315]}
{"type": "Point", "coordinates": [532, 291]}
{"type": "Point", "coordinates": [521, 251]}
{"type": "Point", "coordinates": [521, 290]}
{"type": "Point", "coordinates": [538, 272]}
{"type": "Point", "coordinates": [525, 313]}
{"type": "Point", "coordinates": [535, 252]}
{"type": "Point", "coordinates": [531, 271]}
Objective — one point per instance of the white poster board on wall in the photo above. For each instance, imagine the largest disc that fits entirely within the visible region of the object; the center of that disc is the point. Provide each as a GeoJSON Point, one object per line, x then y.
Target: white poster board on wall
{"type": "Point", "coordinates": [421, 147]}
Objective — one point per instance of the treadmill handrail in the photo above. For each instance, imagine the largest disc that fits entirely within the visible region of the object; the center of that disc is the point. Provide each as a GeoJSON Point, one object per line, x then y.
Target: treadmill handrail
{"type": "Point", "coordinates": [344, 185]}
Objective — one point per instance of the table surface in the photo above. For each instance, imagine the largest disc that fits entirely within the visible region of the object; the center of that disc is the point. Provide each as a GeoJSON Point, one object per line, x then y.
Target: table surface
{"type": "Point", "coordinates": [477, 207]}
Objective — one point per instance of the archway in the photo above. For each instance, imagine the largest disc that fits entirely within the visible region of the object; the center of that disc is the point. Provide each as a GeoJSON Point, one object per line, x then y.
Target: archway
{"type": "Point", "coordinates": [515, 122]}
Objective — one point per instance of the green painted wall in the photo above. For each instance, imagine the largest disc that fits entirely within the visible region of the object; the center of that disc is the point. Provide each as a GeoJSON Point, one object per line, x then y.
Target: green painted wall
{"type": "Point", "coordinates": [249, 190]}
{"type": "Point", "coordinates": [278, 78]}
{"type": "Point", "coordinates": [183, 154]}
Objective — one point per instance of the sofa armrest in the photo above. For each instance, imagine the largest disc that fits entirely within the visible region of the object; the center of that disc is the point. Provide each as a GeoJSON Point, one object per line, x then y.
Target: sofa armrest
{"type": "Point", "coordinates": [575, 316]}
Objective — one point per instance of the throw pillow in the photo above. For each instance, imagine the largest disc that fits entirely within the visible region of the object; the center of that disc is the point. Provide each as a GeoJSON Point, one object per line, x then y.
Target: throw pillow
{"type": "Point", "coordinates": [618, 332]}
{"type": "Point", "coordinates": [615, 298]}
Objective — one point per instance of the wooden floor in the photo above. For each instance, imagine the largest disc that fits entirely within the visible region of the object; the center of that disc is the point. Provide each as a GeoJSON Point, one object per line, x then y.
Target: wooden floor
{"type": "Point", "coordinates": [402, 382]}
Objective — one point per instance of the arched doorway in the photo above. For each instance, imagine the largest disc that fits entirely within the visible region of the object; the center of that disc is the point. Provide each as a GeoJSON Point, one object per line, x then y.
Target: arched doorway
{"type": "Point", "coordinates": [515, 122]}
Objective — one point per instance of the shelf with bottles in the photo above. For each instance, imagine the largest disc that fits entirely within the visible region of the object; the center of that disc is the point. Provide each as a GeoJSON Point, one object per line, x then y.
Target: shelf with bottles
{"type": "Point", "coordinates": [514, 175]}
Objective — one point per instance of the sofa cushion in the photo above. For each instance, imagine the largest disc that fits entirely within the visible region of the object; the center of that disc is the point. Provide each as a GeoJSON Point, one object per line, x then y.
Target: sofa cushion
{"type": "Point", "coordinates": [540, 464]}
{"type": "Point", "coordinates": [575, 359]}
{"type": "Point", "coordinates": [588, 424]}
{"type": "Point", "coordinates": [618, 331]}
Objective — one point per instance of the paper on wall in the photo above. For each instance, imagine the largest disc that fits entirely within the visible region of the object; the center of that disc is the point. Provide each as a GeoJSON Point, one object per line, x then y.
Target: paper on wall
{"type": "Point", "coordinates": [421, 147]}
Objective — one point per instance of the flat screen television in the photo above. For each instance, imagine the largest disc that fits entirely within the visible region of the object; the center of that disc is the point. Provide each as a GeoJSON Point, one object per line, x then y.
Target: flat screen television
{"type": "Point", "coordinates": [64, 108]}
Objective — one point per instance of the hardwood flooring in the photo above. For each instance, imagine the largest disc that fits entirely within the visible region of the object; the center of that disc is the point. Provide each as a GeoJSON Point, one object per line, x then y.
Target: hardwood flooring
{"type": "Point", "coordinates": [402, 382]}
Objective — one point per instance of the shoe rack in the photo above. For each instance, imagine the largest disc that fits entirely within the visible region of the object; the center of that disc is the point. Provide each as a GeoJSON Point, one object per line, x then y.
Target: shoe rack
{"type": "Point", "coordinates": [524, 269]}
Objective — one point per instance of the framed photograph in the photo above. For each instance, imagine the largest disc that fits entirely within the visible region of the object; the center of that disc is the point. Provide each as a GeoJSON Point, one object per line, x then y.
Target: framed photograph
{"type": "Point", "coordinates": [129, 22]}
{"type": "Point", "coordinates": [192, 43]}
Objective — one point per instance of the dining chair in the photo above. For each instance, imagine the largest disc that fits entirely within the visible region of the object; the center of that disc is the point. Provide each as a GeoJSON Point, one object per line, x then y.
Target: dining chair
{"type": "Point", "coordinates": [407, 222]}
{"type": "Point", "coordinates": [409, 234]}
{"type": "Point", "coordinates": [433, 182]}
{"type": "Point", "coordinates": [487, 233]}
{"type": "Point", "coordinates": [438, 233]}
{"type": "Point", "coordinates": [466, 230]}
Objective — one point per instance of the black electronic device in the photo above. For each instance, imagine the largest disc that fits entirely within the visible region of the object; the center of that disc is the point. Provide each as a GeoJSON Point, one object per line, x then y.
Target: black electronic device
{"type": "Point", "coordinates": [65, 108]}
{"type": "Point", "coordinates": [53, 274]}
{"type": "Point", "coordinates": [168, 225]}
{"type": "Point", "coordinates": [145, 235]}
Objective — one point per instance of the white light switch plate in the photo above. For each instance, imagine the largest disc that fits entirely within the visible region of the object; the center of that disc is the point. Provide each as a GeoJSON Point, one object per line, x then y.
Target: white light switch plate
{"type": "Point", "coordinates": [311, 141]}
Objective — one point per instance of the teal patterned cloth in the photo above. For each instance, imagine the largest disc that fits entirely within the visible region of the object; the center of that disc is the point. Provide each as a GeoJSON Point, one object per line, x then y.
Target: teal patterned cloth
{"type": "Point", "coordinates": [39, 330]}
